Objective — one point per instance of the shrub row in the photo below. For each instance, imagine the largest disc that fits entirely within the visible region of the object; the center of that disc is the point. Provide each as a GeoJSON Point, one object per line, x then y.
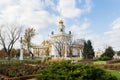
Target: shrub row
{"type": "Point", "coordinates": [66, 70]}
{"type": "Point", "coordinates": [86, 61]}
{"type": "Point", "coordinates": [104, 58]}
{"type": "Point", "coordinates": [113, 61]}
{"type": "Point", "coordinates": [19, 62]}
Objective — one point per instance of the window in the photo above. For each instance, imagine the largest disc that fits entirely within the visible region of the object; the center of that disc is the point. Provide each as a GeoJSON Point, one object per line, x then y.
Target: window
{"type": "Point", "coordinates": [61, 30]}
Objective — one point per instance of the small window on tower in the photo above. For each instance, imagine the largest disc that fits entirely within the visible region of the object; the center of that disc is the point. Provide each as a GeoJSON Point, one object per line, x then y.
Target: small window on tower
{"type": "Point", "coordinates": [61, 30]}
{"type": "Point", "coordinates": [69, 32]}
{"type": "Point", "coordinates": [52, 32]}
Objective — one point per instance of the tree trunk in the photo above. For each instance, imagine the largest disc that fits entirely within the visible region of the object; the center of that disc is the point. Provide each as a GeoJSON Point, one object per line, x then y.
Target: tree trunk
{"type": "Point", "coordinates": [9, 56]}
{"type": "Point", "coordinates": [32, 54]}
{"type": "Point", "coordinates": [29, 51]}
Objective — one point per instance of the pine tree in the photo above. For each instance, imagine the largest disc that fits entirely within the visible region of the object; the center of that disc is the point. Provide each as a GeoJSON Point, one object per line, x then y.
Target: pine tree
{"type": "Point", "coordinates": [85, 49]}
{"type": "Point", "coordinates": [88, 51]}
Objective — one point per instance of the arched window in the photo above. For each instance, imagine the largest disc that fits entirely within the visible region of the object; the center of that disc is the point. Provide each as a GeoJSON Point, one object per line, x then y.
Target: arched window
{"type": "Point", "coordinates": [61, 30]}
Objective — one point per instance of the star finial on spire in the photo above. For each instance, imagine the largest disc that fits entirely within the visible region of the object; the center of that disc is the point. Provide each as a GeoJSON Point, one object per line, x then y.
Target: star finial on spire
{"type": "Point", "coordinates": [61, 13]}
{"type": "Point", "coordinates": [61, 16]}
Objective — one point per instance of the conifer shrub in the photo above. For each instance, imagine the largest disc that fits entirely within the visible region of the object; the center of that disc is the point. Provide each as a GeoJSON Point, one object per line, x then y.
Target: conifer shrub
{"type": "Point", "coordinates": [104, 58]}
{"type": "Point", "coordinates": [108, 54]}
{"type": "Point", "coordinates": [66, 70]}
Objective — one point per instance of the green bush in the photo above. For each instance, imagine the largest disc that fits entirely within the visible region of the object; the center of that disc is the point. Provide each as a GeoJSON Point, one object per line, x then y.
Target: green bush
{"type": "Point", "coordinates": [108, 54]}
{"type": "Point", "coordinates": [104, 58]}
{"type": "Point", "coordinates": [73, 71]}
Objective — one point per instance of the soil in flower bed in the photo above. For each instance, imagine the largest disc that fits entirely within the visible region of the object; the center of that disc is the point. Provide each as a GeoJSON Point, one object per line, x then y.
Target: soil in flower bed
{"type": "Point", "coordinates": [19, 78]}
{"type": "Point", "coordinates": [109, 66]}
{"type": "Point", "coordinates": [113, 61]}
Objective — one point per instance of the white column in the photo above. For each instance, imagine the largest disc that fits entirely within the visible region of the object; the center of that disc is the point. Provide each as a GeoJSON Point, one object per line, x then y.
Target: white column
{"type": "Point", "coordinates": [80, 54]}
{"type": "Point", "coordinates": [21, 50]}
{"type": "Point", "coordinates": [53, 51]}
{"type": "Point", "coordinates": [65, 51]}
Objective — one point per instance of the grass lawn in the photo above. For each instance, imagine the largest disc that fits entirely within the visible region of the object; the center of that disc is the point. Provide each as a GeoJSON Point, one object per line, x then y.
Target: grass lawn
{"type": "Point", "coordinates": [115, 73]}
{"type": "Point", "coordinates": [75, 58]}
{"type": "Point", "coordinates": [100, 62]}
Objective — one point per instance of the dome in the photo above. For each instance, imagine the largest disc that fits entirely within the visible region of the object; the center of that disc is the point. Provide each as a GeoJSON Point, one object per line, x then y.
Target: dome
{"type": "Point", "coordinates": [61, 21]}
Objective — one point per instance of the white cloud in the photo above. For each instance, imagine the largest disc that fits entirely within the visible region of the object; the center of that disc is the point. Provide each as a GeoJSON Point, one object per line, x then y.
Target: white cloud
{"type": "Point", "coordinates": [87, 6]}
{"type": "Point", "coordinates": [116, 24]}
{"type": "Point", "coordinates": [40, 20]}
{"type": "Point", "coordinates": [68, 6]}
{"type": "Point", "coordinates": [70, 9]}
{"type": "Point", "coordinates": [98, 41]}
{"type": "Point", "coordinates": [30, 13]}
{"type": "Point", "coordinates": [80, 31]}
{"type": "Point", "coordinates": [84, 31]}
{"type": "Point", "coordinates": [114, 34]}
{"type": "Point", "coordinates": [37, 39]}
{"type": "Point", "coordinates": [108, 38]}
{"type": "Point", "coordinates": [50, 3]}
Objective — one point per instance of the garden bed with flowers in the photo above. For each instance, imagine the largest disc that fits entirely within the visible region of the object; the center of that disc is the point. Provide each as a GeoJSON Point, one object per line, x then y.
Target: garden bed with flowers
{"type": "Point", "coordinates": [21, 70]}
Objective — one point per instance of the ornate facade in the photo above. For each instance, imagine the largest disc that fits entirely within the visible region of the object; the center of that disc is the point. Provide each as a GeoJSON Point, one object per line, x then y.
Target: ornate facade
{"type": "Point", "coordinates": [60, 44]}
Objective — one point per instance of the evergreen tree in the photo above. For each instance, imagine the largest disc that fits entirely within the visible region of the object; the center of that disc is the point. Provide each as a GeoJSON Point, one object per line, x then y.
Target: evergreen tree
{"type": "Point", "coordinates": [108, 54]}
{"type": "Point", "coordinates": [85, 49]}
{"type": "Point", "coordinates": [88, 51]}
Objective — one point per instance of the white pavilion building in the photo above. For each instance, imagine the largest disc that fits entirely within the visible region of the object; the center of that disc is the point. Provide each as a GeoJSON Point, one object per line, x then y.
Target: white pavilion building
{"type": "Point", "coordinates": [59, 45]}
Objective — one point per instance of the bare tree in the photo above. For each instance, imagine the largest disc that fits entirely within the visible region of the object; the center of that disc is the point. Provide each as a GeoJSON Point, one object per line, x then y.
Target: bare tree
{"type": "Point", "coordinates": [79, 43]}
{"type": "Point", "coordinates": [29, 33]}
{"type": "Point", "coordinates": [70, 46]}
{"type": "Point", "coordinates": [61, 43]}
{"type": "Point", "coordinates": [9, 34]}
{"type": "Point", "coordinates": [58, 44]}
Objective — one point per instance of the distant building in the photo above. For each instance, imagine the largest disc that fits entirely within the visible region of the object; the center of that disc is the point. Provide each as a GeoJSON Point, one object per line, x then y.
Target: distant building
{"type": "Point", "coordinates": [98, 54]}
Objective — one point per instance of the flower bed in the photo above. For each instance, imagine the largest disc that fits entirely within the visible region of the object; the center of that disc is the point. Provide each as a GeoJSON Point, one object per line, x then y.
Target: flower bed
{"type": "Point", "coordinates": [109, 66]}
{"type": "Point", "coordinates": [22, 69]}
{"type": "Point", "coordinates": [12, 71]}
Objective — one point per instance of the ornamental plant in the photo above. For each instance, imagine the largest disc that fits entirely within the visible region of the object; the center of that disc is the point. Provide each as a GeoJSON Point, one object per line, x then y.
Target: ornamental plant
{"type": "Point", "coordinates": [66, 70]}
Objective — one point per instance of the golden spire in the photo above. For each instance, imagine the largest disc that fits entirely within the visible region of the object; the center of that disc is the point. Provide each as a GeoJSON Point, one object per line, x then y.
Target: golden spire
{"type": "Point", "coordinates": [61, 21]}
{"type": "Point", "coordinates": [60, 13]}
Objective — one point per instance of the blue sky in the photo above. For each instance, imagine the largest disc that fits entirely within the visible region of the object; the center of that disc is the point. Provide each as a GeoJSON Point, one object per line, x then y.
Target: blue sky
{"type": "Point", "coordinates": [97, 20]}
{"type": "Point", "coordinates": [103, 13]}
